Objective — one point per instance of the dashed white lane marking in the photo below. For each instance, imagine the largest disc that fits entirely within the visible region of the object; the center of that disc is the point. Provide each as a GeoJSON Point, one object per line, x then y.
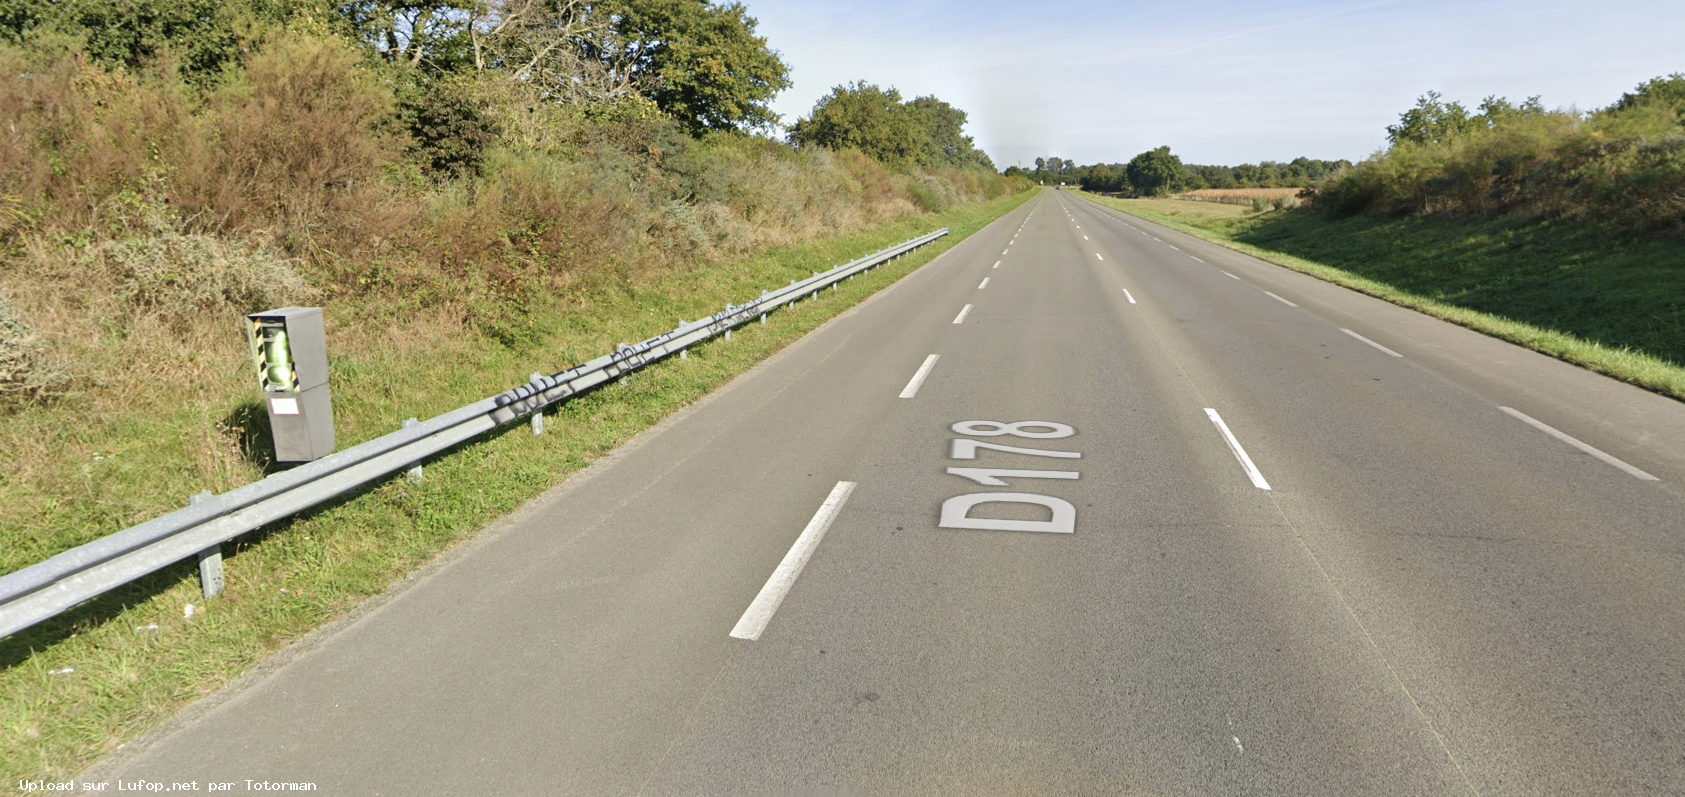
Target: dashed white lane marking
{"type": "Point", "coordinates": [1129, 296]}
{"type": "Point", "coordinates": [1370, 342]}
{"type": "Point", "coordinates": [1563, 436]}
{"type": "Point", "coordinates": [1279, 299]}
{"type": "Point", "coordinates": [1097, 254]}
{"type": "Point", "coordinates": [963, 311]}
{"type": "Point", "coordinates": [1195, 258]}
{"type": "Point", "coordinates": [1085, 237]}
{"type": "Point", "coordinates": [760, 611]}
{"type": "Point", "coordinates": [1156, 238]}
{"type": "Point", "coordinates": [983, 284]}
{"type": "Point", "coordinates": [912, 388]}
{"type": "Point", "coordinates": [1004, 251]}
{"type": "Point", "coordinates": [996, 265]}
{"type": "Point", "coordinates": [1231, 275]}
{"type": "Point", "coordinates": [1173, 246]}
{"type": "Point", "coordinates": [1239, 453]}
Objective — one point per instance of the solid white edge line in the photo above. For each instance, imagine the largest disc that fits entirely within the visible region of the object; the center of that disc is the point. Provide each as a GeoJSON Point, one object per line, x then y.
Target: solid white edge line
{"type": "Point", "coordinates": [1129, 295]}
{"type": "Point", "coordinates": [983, 284]}
{"type": "Point", "coordinates": [766, 603]}
{"type": "Point", "coordinates": [1370, 342]}
{"type": "Point", "coordinates": [1231, 276]}
{"type": "Point", "coordinates": [1564, 437]}
{"type": "Point", "coordinates": [912, 387]}
{"type": "Point", "coordinates": [1279, 299]}
{"type": "Point", "coordinates": [961, 317]}
{"type": "Point", "coordinates": [1239, 453]}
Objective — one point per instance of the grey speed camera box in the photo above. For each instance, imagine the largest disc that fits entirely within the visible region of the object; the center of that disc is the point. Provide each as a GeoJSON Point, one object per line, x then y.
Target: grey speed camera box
{"type": "Point", "coordinates": [290, 352]}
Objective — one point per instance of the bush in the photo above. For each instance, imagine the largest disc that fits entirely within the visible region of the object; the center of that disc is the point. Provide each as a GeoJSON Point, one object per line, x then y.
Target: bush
{"type": "Point", "coordinates": [1623, 166]}
{"type": "Point", "coordinates": [179, 276]}
{"type": "Point", "coordinates": [27, 373]}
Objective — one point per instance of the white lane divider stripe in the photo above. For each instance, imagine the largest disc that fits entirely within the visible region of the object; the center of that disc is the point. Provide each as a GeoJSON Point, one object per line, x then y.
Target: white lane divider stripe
{"type": "Point", "coordinates": [1197, 259]}
{"type": "Point", "coordinates": [983, 284]}
{"type": "Point", "coordinates": [1239, 453]}
{"type": "Point", "coordinates": [1129, 296]}
{"type": "Point", "coordinates": [996, 265]}
{"type": "Point", "coordinates": [1564, 437]}
{"type": "Point", "coordinates": [1173, 246]}
{"type": "Point", "coordinates": [1085, 237]}
{"type": "Point", "coordinates": [1279, 299]}
{"type": "Point", "coordinates": [963, 311]}
{"type": "Point", "coordinates": [912, 387]}
{"type": "Point", "coordinates": [760, 611]}
{"type": "Point", "coordinates": [1231, 276]}
{"type": "Point", "coordinates": [1370, 342]}
{"type": "Point", "coordinates": [1097, 254]}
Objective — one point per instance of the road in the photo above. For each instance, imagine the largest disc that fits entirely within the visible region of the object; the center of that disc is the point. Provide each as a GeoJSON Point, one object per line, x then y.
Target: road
{"type": "Point", "coordinates": [1295, 545]}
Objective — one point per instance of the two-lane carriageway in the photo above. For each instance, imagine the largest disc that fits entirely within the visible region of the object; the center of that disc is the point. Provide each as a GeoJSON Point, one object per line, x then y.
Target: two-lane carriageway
{"type": "Point", "coordinates": [1085, 506]}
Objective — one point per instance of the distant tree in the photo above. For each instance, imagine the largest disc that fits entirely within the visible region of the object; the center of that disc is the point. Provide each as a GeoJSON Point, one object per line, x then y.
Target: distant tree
{"type": "Point", "coordinates": [1669, 90]}
{"type": "Point", "coordinates": [1432, 122]}
{"type": "Point", "coordinates": [1155, 171]}
{"type": "Point", "coordinates": [1041, 163]}
{"type": "Point", "coordinates": [1496, 111]}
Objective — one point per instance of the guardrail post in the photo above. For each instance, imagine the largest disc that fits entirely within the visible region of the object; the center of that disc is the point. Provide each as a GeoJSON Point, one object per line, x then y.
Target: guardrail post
{"type": "Point", "coordinates": [415, 470]}
{"type": "Point", "coordinates": [538, 414]}
{"type": "Point", "coordinates": [210, 559]}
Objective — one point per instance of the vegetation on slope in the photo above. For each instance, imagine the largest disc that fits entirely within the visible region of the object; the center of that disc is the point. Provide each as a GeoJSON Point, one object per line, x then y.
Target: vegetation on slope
{"type": "Point", "coordinates": [1623, 165]}
{"type": "Point", "coordinates": [472, 190]}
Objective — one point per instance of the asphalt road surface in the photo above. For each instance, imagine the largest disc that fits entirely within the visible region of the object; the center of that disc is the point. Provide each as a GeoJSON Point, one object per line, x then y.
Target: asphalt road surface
{"type": "Point", "coordinates": [1217, 529]}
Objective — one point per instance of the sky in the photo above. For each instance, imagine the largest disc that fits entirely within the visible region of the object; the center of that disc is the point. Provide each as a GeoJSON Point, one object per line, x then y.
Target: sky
{"type": "Point", "coordinates": [1219, 81]}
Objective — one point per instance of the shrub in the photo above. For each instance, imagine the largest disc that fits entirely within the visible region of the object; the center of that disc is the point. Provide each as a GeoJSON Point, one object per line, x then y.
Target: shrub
{"type": "Point", "coordinates": [178, 276]}
{"type": "Point", "coordinates": [28, 373]}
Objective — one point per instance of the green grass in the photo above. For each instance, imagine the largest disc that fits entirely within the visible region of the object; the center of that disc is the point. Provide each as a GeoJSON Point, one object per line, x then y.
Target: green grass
{"type": "Point", "coordinates": [1603, 299]}
{"type": "Point", "coordinates": [298, 574]}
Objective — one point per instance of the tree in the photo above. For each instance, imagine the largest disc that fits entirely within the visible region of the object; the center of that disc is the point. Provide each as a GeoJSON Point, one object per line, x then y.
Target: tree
{"type": "Point", "coordinates": [940, 128]}
{"type": "Point", "coordinates": [554, 47]}
{"type": "Point", "coordinates": [699, 62]}
{"type": "Point", "coordinates": [925, 131]}
{"type": "Point", "coordinates": [1668, 90]}
{"type": "Point", "coordinates": [1155, 171]}
{"type": "Point", "coordinates": [1432, 122]}
{"type": "Point", "coordinates": [862, 116]}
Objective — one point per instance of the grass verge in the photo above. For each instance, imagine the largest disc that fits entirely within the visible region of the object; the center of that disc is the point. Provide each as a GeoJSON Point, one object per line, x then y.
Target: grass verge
{"type": "Point", "coordinates": [1602, 299]}
{"type": "Point", "coordinates": [74, 688]}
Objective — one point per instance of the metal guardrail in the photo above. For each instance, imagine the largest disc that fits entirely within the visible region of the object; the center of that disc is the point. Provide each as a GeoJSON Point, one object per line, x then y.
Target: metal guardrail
{"type": "Point", "coordinates": [41, 591]}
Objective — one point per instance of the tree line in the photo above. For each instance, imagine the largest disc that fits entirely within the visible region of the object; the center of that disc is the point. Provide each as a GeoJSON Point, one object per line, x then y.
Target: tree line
{"type": "Point", "coordinates": [1158, 171]}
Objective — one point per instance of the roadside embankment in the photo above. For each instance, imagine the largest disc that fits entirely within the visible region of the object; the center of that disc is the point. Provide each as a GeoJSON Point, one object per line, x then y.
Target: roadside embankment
{"type": "Point", "coordinates": [76, 687]}
{"type": "Point", "coordinates": [1606, 299]}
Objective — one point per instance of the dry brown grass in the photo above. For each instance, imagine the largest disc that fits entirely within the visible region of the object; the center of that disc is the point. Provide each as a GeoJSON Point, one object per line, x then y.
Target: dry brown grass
{"type": "Point", "coordinates": [1241, 196]}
